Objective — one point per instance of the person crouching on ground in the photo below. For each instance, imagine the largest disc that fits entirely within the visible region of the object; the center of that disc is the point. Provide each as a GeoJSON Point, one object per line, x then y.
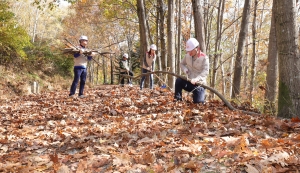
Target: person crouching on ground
{"type": "Point", "coordinates": [148, 64]}
{"type": "Point", "coordinates": [195, 65]}
{"type": "Point", "coordinates": [124, 69]}
{"type": "Point", "coordinates": [80, 63]}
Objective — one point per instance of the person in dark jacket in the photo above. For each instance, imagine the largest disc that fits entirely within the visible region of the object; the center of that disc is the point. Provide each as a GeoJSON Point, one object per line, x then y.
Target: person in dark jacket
{"type": "Point", "coordinates": [124, 69]}
{"type": "Point", "coordinates": [80, 63]}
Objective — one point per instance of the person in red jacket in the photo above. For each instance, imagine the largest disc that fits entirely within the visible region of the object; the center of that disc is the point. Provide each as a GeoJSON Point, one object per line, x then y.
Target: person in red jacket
{"type": "Point", "coordinates": [195, 65]}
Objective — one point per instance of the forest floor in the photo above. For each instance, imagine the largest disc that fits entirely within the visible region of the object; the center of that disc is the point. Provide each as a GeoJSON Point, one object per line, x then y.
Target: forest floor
{"type": "Point", "coordinates": [123, 129]}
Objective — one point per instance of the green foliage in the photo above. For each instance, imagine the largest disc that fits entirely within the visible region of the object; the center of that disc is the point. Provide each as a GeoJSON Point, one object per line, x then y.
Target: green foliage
{"type": "Point", "coordinates": [50, 62]}
{"type": "Point", "coordinates": [13, 39]}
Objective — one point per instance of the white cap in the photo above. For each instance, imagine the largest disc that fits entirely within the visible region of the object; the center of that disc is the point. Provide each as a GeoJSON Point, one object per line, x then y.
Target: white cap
{"type": "Point", "coordinates": [83, 37]}
{"type": "Point", "coordinates": [191, 44]}
{"type": "Point", "coordinates": [125, 55]}
{"type": "Point", "coordinates": [153, 47]}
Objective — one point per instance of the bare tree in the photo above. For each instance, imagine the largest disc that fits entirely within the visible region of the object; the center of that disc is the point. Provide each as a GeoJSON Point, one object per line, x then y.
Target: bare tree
{"type": "Point", "coordinates": [162, 60]}
{"type": "Point", "coordinates": [272, 69]}
{"type": "Point", "coordinates": [239, 56]}
{"type": "Point", "coordinates": [288, 56]}
{"type": "Point", "coordinates": [143, 29]}
{"type": "Point", "coordinates": [253, 60]}
{"type": "Point", "coordinates": [171, 42]}
{"type": "Point", "coordinates": [217, 55]}
{"type": "Point", "coordinates": [178, 53]}
{"type": "Point", "coordinates": [199, 25]}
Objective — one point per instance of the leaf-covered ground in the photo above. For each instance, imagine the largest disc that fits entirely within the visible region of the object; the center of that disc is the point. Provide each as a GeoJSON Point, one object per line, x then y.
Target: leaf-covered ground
{"type": "Point", "coordinates": [123, 129]}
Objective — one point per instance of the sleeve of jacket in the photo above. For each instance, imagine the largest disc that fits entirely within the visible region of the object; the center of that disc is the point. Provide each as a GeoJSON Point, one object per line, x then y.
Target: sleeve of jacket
{"type": "Point", "coordinates": [76, 55]}
{"type": "Point", "coordinates": [183, 65]}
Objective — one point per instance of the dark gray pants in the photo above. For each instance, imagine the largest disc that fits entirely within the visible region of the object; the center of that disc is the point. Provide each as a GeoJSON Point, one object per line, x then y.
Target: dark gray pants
{"type": "Point", "coordinates": [198, 92]}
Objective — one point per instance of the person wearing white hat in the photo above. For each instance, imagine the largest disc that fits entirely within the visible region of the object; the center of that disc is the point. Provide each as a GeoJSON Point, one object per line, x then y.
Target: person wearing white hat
{"type": "Point", "coordinates": [124, 69]}
{"type": "Point", "coordinates": [80, 63]}
{"type": "Point", "coordinates": [195, 65]}
{"type": "Point", "coordinates": [148, 64]}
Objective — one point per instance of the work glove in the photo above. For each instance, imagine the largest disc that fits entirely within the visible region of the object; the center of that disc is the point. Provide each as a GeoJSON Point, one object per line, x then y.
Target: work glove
{"type": "Point", "coordinates": [81, 51]}
{"type": "Point", "coordinates": [148, 68]}
{"type": "Point", "coordinates": [93, 53]}
{"type": "Point", "coordinates": [194, 81]}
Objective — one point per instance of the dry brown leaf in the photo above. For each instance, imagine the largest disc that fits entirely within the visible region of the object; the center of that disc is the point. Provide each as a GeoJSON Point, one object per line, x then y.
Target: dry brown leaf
{"type": "Point", "coordinates": [147, 158]}
{"type": "Point", "coordinates": [251, 169]}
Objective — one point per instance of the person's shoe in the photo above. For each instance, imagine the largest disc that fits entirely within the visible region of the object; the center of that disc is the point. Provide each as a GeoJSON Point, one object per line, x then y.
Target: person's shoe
{"type": "Point", "coordinates": [81, 96]}
{"type": "Point", "coordinates": [130, 85]}
{"type": "Point", "coordinates": [177, 99]}
{"type": "Point", "coordinates": [71, 96]}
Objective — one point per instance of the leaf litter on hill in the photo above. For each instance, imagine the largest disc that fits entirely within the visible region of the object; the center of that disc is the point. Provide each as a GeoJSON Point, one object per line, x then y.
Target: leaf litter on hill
{"type": "Point", "coordinates": [123, 129]}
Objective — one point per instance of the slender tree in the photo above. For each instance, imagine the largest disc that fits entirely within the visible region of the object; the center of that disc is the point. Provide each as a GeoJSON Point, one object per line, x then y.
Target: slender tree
{"type": "Point", "coordinates": [288, 56]}
{"type": "Point", "coordinates": [143, 29]}
{"type": "Point", "coordinates": [199, 25]}
{"type": "Point", "coordinates": [239, 56]}
{"type": "Point", "coordinates": [217, 55]}
{"type": "Point", "coordinates": [171, 42]}
{"type": "Point", "coordinates": [254, 48]}
{"type": "Point", "coordinates": [178, 53]}
{"type": "Point", "coordinates": [272, 70]}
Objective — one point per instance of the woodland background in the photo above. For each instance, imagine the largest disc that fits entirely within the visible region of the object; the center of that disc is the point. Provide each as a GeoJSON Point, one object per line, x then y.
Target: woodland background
{"type": "Point", "coordinates": [254, 63]}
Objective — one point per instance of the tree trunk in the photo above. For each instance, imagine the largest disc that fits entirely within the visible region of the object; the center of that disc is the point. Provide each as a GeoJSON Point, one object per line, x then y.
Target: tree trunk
{"type": "Point", "coordinates": [253, 60]}
{"type": "Point", "coordinates": [272, 70]}
{"type": "Point", "coordinates": [171, 42]}
{"type": "Point", "coordinates": [246, 67]}
{"type": "Point", "coordinates": [104, 70]}
{"type": "Point", "coordinates": [143, 29]}
{"type": "Point", "coordinates": [158, 60]}
{"type": "Point", "coordinates": [162, 50]}
{"type": "Point", "coordinates": [112, 67]}
{"type": "Point", "coordinates": [288, 56]}
{"type": "Point", "coordinates": [239, 57]}
{"type": "Point", "coordinates": [199, 26]}
{"type": "Point", "coordinates": [178, 39]}
{"type": "Point", "coordinates": [35, 23]}
{"type": "Point", "coordinates": [217, 55]}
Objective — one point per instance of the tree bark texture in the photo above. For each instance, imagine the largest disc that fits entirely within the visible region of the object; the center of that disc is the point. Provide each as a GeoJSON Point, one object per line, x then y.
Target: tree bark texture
{"type": "Point", "coordinates": [217, 55]}
{"type": "Point", "coordinates": [272, 70]}
{"type": "Point", "coordinates": [178, 59]}
{"type": "Point", "coordinates": [253, 60]}
{"type": "Point", "coordinates": [171, 42]}
{"type": "Point", "coordinates": [288, 56]}
{"type": "Point", "coordinates": [239, 56]}
{"type": "Point", "coordinates": [199, 26]}
{"type": "Point", "coordinates": [162, 34]}
{"type": "Point", "coordinates": [143, 29]}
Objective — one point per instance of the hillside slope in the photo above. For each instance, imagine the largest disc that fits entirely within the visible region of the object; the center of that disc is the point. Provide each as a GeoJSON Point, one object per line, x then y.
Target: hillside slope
{"type": "Point", "coordinates": [15, 83]}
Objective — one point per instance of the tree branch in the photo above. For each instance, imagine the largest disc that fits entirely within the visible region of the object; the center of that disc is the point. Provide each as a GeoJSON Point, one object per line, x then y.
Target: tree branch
{"type": "Point", "coordinates": [227, 103]}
